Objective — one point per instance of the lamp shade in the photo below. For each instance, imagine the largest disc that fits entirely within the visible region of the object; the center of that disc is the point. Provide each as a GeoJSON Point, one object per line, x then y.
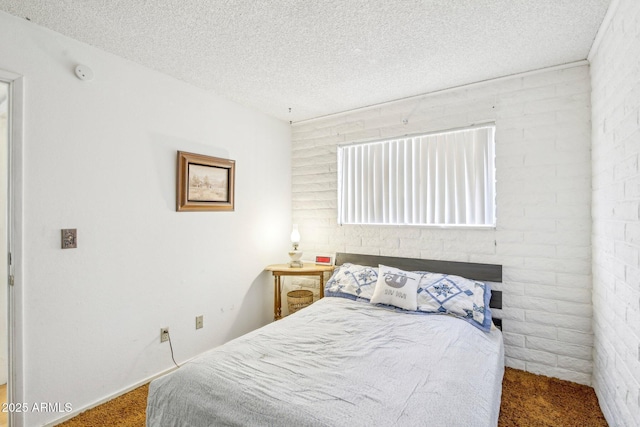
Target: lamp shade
{"type": "Point", "coordinates": [295, 234]}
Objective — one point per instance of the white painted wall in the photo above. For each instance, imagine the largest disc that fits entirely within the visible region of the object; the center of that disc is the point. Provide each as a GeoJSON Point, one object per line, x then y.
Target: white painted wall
{"type": "Point", "coordinates": [615, 74]}
{"type": "Point", "coordinates": [543, 233]}
{"type": "Point", "coordinates": [100, 156]}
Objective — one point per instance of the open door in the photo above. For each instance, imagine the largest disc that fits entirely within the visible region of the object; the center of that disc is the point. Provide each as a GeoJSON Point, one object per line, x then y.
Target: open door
{"type": "Point", "coordinates": [11, 104]}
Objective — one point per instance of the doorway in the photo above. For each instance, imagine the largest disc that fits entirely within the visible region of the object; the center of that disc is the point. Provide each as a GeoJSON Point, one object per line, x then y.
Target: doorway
{"type": "Point", "coordinates": [11, 134]}
{"type": "Point", "coordinates": [4, 270]}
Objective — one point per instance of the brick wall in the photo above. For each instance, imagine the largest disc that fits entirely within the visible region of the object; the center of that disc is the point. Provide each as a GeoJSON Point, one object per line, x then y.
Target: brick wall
{"type": "Point", "coordinates": [543, 233]}
{"type": "Point", "coordinates": [616, 221]}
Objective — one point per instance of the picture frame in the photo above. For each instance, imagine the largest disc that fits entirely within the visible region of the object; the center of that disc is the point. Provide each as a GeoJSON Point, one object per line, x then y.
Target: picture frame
{"type": "Point", "coordinates": [205, 183]}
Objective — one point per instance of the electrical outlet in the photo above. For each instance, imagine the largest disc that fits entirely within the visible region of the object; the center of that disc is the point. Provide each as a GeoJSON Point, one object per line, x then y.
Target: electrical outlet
{"type": "Point", "coordinates": [164, 334]}
{"type": "Point", "coordinates": [199, 322]}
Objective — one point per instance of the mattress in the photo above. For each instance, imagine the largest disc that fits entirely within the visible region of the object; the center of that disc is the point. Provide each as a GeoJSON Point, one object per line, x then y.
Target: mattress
{"type": "Point", "coordinates": [340, 362]}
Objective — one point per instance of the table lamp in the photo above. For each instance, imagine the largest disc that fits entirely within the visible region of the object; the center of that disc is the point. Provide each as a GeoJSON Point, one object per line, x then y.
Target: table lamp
{"type": "Point", "coordinates": [295, 254]}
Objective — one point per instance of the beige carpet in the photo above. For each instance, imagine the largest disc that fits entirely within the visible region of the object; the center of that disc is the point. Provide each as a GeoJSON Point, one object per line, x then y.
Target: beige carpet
{"type": "Point", "coordinates": [528, 400]}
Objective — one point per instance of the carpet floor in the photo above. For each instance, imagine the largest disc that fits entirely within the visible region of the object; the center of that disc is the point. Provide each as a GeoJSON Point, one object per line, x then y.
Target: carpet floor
{"type": "Point", "coordinates": [528, 400]}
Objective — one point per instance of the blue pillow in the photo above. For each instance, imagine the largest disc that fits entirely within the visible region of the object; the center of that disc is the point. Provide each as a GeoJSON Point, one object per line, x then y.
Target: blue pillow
{"type": "Point", "coordinates": [352, 281]}
{"type": "Point", "coordinates": [437, 293]}
{"type": "Point", "coordinates": [457, 296]}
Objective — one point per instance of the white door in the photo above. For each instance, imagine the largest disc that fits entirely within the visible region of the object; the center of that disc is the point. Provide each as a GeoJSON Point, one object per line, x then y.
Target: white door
{"type": "Point", "coordinates": [4, 268]}
{"type": "Point", "coordinates": [11, 107]}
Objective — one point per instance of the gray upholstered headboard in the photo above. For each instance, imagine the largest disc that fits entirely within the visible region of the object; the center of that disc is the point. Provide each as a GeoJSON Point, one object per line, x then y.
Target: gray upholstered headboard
{"type": "Point", "coordinates": [481, 272]}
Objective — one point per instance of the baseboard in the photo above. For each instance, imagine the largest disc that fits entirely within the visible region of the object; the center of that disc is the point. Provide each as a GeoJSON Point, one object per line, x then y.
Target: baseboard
{"type": "Point", "coordinates": [77, 412]}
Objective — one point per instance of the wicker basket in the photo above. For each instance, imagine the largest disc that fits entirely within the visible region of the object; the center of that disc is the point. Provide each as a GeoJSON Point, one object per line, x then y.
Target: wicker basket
{"type": "Point", "coordinates": [298, 299]}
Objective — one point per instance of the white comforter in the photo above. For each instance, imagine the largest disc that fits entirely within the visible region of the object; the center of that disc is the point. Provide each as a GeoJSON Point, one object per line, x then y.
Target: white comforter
{"type": "Point", "coordinates": [340, 363]}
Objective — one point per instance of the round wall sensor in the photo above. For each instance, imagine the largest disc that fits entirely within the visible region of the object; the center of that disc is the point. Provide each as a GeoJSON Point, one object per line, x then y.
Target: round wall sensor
{"type": "Point", "coordinates": [83, 72]}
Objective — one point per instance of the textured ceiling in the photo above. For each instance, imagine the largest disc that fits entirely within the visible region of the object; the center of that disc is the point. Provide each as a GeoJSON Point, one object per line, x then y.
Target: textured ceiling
{"type": "Point", "coordinates": [322, 57]}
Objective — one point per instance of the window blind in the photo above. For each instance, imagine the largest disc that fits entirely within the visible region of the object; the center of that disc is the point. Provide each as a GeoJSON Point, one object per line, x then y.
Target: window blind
{"type": "Point", "coordinates": [445, 179]}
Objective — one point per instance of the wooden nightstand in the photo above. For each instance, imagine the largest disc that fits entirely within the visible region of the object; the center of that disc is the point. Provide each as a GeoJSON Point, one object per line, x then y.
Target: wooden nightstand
{"type": "Point", "coordinates": [280, 270]}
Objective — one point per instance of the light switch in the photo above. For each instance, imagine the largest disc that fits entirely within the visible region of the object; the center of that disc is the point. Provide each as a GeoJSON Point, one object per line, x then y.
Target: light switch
{"type": "Point", "coordinates": [69, 238]}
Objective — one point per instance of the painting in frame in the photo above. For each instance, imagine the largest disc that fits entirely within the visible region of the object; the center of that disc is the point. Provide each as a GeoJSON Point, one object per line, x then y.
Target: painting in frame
{"type": "Point", "coordinates": [205, 183]}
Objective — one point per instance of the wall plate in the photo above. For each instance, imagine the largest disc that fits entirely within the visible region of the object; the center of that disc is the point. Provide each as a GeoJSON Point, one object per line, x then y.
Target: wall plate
{"type": "Point", "coordinates": [69, 238]}
{"type": "Point", "coordinates": [164, 334]}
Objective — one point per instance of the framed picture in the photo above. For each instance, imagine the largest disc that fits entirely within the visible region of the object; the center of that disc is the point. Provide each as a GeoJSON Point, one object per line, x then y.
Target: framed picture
{"type": "Point", "coordinates": [205, 183]}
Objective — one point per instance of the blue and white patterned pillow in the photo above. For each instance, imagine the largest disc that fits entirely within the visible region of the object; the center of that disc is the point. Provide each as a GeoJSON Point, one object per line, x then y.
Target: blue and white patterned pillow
{"type": "Point", "coordinates": [437, 293]}
{"type": "Point", "coordinates": [457, 296]}
{"type": "Point", "coordinates": [352, 281]}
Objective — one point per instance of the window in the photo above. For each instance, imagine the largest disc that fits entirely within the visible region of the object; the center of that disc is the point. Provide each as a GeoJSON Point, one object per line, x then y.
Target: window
{"type": "Point", "coordinates": [442, 179]}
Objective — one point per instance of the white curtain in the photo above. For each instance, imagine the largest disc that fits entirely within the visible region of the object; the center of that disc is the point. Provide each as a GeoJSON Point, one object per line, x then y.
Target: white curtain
{"type": "Point", "coordinates": [436, 179]}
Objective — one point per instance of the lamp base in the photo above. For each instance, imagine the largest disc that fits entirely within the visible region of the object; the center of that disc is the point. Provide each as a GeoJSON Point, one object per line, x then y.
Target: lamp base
{"type": "Point", "coordinates": [295, 258]}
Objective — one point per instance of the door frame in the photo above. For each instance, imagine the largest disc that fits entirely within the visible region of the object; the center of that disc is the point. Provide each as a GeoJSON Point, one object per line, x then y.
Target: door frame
{"type": "Point", "coordinates": [15, 124]}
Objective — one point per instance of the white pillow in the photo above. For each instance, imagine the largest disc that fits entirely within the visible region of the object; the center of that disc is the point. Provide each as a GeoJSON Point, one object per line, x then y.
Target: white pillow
{"type": "Point", "coordinates": [397, 288]}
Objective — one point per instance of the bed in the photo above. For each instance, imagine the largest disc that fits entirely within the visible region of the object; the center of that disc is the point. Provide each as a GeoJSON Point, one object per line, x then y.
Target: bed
{"type": "Point", "coordinates": [345, 362]}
